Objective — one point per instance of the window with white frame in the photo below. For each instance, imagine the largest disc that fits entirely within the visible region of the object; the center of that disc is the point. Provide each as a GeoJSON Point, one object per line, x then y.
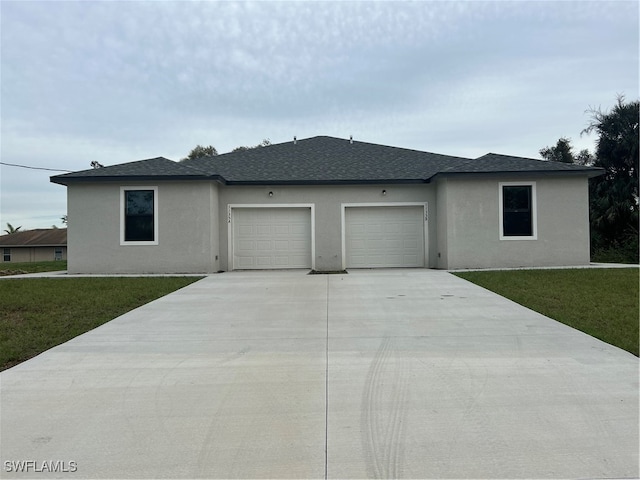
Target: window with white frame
{"type": "Point", "coordinates": [6, 255]}
{"type": "Point", "coordinates": [518, 211]}
{"type": "Point", "coordinates": [57, 253]}
{"type": "Point", "coordinates": [139, 216]}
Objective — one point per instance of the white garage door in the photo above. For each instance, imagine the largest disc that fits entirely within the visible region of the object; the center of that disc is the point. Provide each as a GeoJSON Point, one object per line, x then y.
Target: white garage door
{"type": "Point", "coordinates": [384, 237]}
{"type": "Point", "coordinates": [271, 238]}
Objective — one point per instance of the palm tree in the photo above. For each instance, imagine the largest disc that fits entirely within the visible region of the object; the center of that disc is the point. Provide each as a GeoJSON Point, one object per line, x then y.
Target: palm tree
{"type": "Point", "coordinates": [10, 228]}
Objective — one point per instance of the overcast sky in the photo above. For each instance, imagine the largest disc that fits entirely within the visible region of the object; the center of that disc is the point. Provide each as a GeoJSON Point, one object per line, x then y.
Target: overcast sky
{"type": "Point", "coordinates": [123, 81]}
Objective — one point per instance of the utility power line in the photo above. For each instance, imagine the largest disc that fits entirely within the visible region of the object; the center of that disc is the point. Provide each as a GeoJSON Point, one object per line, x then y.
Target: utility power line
{"type": "Point", "coordinates": [35, 168]}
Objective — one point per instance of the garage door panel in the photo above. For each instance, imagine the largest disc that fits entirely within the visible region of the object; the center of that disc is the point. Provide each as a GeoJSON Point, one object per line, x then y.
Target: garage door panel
{"type": "Point", "coordinates": [375, 244]}
{"type": "Point", "coordinates": [281, 261]}
{"type": "Point", "coordinates": [266, 238]}
{"type": "Point", "coordinates": [297, 245]}
{"type": "Point", "coordinates": [264, 246]}
{"type": "Point", "coordinates": [246, 263]}
{"type": "Point", "coordinates": [357, 245]}
{"type": "Point", "coordinates": [358, 228]}
{"type": "Point", "coordinates": [410, 243]}
{"type": "Point", "coordinates": [262, 262]}
{"type": "Point", "coordinates": [298, 230]}
{"type": "Point", "coordinates": [384, 236]}
{"type": "Point", "coordinates": [282, 245]}
{"type": "Point", "coordinates": [357, 261]}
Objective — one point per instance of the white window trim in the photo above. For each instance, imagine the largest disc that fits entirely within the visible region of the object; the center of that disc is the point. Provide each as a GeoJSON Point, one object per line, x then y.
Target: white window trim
{"type": "Point", "coordinates": [155, 215]}
{"type": "Point", "coordinates": [232, 206]}
{"type": "Point", "coordinates": [534, 211]}
{"type": "Point", "coordinates": [425, 216]}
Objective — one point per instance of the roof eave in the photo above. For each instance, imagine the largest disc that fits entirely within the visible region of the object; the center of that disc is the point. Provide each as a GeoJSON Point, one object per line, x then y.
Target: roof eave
{"type": "Point", "coordinates": [326, 182]}
{"type": "Point", "coordinates": [590, 173]}
{"type": "Point", "coordinates": [155, 178]}
{"type": "Point", "coordinates": [31, 245]}
{"type": "Point", "coordinates": [130, 178]}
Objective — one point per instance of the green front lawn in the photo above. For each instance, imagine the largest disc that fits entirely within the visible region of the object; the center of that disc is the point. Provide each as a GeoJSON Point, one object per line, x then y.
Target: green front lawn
{"type": "Point", "coordinates": [39, 313]}
{"type": "Point", "coordinates": [600, 302]}
{"type": "Point", "coordinates": [14, 268]}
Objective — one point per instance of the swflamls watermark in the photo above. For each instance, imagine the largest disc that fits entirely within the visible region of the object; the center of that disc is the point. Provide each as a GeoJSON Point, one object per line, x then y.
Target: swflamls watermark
{"type": "Point", "coordinates": [45, 466]}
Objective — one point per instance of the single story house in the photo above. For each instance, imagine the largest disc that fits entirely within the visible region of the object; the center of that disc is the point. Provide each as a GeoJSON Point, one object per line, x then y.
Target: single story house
{"type": "Point", "coordinates": [40, 245]}
{"type": "Point", "coordinates": [327, 204]}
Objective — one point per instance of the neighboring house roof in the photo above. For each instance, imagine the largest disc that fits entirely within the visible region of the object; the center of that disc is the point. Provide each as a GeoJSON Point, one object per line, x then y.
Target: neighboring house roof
{"type": "Point", "coordinates": [49, 237]}
{"type": "Point", "coordinates": [321, 160]}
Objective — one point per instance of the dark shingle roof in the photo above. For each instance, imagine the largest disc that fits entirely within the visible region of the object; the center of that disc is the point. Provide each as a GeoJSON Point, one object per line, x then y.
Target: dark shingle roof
{"type": "Point", "coordinates": [497, 163]}
{"type": "Point", "coordinates": [158, 167]}
{"type": "Point", "coordinates": [320, 160]}
{"type": "Point", "coordinates": [46, 237]}
{"type": "Point", "coordinates": [324, 160]}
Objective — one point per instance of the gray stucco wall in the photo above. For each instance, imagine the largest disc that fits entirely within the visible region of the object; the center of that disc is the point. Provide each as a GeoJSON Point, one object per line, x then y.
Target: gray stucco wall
{"type": "Point", "coordinates": [471, 229]}
{"type": "Point", "coordinates": [193, 235]}
{"type": "Point", "coordinates": [441, 223]}
{"type": "Point", "coordinates": [328, 202]}
{"type": "Point", "coordinates": [187, 231]}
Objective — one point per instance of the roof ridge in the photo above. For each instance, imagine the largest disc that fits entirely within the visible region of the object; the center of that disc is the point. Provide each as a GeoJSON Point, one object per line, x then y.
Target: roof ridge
{"type": "Point", "coordinates": [510, 156]}
{"type": "Point", "coordinates": [349, 140]}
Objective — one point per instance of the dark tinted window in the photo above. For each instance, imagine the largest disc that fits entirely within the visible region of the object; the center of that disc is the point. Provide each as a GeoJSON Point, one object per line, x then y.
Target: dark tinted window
{"type": "Point", "coordinates": [139, 221]}
{"type": "Point", "coordinates": [516, 214]}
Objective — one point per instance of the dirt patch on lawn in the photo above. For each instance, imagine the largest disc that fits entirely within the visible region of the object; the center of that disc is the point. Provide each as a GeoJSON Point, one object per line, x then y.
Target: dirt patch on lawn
{"type": "Point", "coordinates": [6, 273]}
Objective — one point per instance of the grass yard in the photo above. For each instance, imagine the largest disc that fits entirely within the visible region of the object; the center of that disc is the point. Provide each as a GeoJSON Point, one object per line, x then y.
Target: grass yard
{"type": "Point", "coordinates": [10, 268]}
{"type": "Point", "coordinates": [600, 302]}
{"type": "Point", "coordinates": [40, 313]}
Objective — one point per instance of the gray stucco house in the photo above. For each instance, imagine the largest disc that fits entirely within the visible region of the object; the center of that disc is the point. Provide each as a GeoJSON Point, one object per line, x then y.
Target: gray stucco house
{"type": "Point", "coordinates": [327, 204]}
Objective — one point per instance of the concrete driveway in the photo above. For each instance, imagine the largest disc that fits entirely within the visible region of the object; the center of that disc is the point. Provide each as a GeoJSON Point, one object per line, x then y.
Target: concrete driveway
{"type": "Point", "coordinates": [380, 374]}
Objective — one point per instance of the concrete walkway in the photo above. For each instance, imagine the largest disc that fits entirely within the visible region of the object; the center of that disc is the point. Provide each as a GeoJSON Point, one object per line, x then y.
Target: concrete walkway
{"type": "Point", "coordinates": [379, 374]}
{"type": "Point", "coordinates": [65, 274]}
